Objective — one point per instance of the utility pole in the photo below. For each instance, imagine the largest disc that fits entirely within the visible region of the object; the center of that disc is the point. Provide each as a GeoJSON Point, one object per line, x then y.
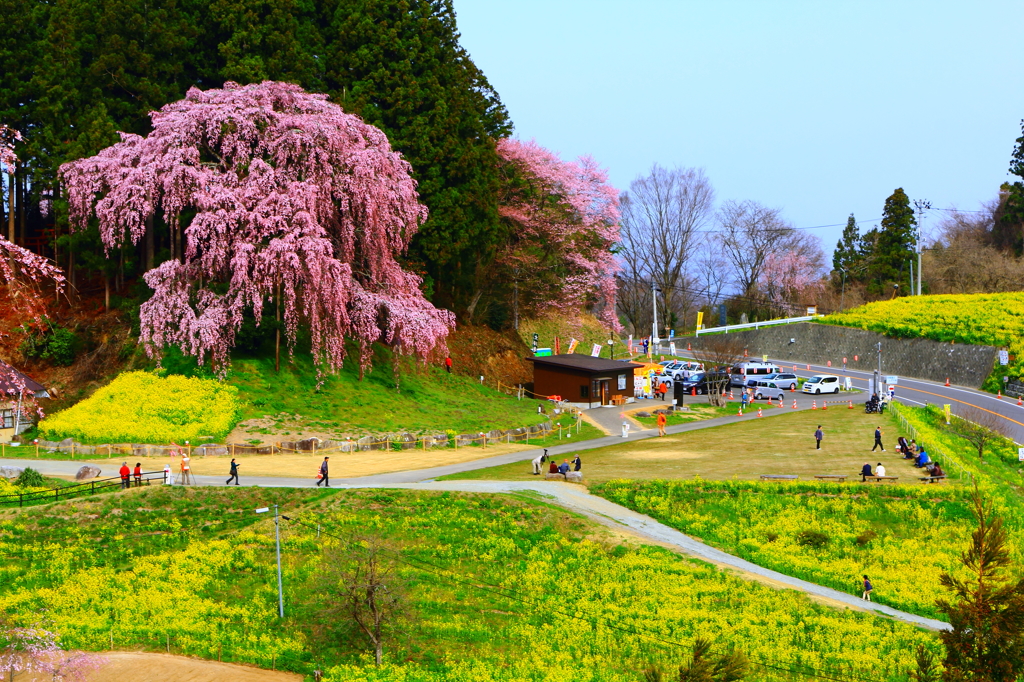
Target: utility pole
{"type": "Point", "coordinates": [922, 206]}
{"type": "Point", "coordinates": [277, 536]}
{"type": "Point", "coordinates": [654, 325]}
{"type": "Point", "coordinates": [878, 372]}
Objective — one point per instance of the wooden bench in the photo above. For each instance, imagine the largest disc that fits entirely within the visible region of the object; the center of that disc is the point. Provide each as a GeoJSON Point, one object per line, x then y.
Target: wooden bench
{"type": "Point", "coordinates": [932, 479]}
{"type": "Point", "coordinates": [832, 477]}
{"type": "Point", "coordinates": [779, 477]}
{"type": "Point", "coordinates": [877, 479]}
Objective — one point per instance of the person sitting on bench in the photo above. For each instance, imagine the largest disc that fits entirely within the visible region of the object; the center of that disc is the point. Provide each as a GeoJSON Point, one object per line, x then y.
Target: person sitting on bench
{"type": "Point", "coordinates": [937, 471]}
{"type": "Point", "coordinates": [904, 447]}
{"type": "Point", "coordinates": [564, 468]}
{"type": "Point", "coordinates": [865, 471]}
{"type": "Point", "coordinates": [922, 459]}
{"type": "Point", "coordinates": [879, 470]}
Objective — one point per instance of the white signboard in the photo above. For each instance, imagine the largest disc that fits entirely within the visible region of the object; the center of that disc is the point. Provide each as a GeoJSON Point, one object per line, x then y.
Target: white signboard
{"type": "Point", "coordinates": [849, 384]}
{"type": "Point", "coordinates": [672, 348]}
{"type": "Point", "coordinates": [622, 382]}
{"type": "Point", "coordinates": [1020, 454]}
{"type": "Point", "coordinates": [597, 350]}
{"type": "Point", "coordinates": [892, 380]}
{"type": "Point", "coordinates": [1004, 357]}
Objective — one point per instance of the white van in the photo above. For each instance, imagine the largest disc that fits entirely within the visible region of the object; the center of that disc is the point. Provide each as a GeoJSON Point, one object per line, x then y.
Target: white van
{"type": "Point", "coordinates": [821, 383]}
{"type": "Point", "coordinates": [746, 370]}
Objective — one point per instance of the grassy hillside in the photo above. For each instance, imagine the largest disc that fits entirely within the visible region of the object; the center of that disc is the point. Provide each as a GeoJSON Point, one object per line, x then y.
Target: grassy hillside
{"type": "Point", "coordinates": [583, 327]}
{"type": "Point", "coordinates": [984, 319]}
{"type": "Point", "coordinates": [494, 588]}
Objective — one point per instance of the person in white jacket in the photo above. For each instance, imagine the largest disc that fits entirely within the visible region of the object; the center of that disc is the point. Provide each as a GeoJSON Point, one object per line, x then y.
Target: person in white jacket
{"type": "Point", "coordinates": [538, 461]}
{"type": "Point", "coordinates": [879, 470]}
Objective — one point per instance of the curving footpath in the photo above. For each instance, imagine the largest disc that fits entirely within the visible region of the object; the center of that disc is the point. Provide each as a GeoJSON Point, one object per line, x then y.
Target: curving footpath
{"type": "Point", "coordinates": [571, 497]}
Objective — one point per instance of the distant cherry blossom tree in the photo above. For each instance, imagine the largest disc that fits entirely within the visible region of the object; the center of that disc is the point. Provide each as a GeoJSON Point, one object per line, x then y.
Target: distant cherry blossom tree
{"type": "Point", "coordinates": [8, 159]}
{"type": "Point", "coordinates": [792, 276]}
{"type": "Point", "coordinates": [281, 196]}
{"type": "Point", "coordinates": [564, 219]}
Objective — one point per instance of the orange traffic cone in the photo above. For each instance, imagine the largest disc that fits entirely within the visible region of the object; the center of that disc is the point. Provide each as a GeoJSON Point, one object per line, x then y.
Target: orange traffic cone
{"type": "Point", "coordinates": [794, 403]}
{"type": "Point", "coordinates": [1019, 401]}
{"type": "Point", "coordinates": [739, 412]}
{"type": "Point", "coordinates": [730, 395]}
{"type": "Point", "coordinates": [769, 401]}
{"type": "Point", "coordinates": [758, 410]}
{"type": "Point", "coordinates": [851, 404]}
{"type": "Point", "coordinates": [814, 405]}
{"type": "Point", "coordinates": [999, 395]}
{"type": "Point", "coordinates": [693, 391]}
{"type": "Point", "coordinates": [792, 388]}
{"type": "Point", "coordinates": [808, 367]}
{"type": "Point", "coordinates": [824, 404]}
{"type": "Point", "coordinates": [688, 347]}
{"type": "Point", "coordinates": [947, 381]}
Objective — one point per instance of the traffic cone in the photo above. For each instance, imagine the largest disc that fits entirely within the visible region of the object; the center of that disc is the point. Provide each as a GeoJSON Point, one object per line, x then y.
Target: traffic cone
{"type": "Point", "coordinates": [947, 381]}
{"type": "Point", "coordinates": [688, 347]}
{"type": "Point", "coordinates": [769, 401]}
{"type": "Point", "coordinates": [730, 395]}
{"type": "Point", "coordinates": [851, 404]}
{"type": "Point", "coordinates": [693, 391]}
{"type": "Point", "coordinates": [794, 403]}
{"type": "Point", "coordinates": [808, 367]}
{"type": "Point", "coordinates": [999, 395]}
{"type": "Point", "coordinates": [792, 388]}
{"type": "Point", "coordinates": [758, 410]}
{"type": "Point", "coordinates": [824, 404]}
{"type": "Point", "coordinates": [814, 405]}
{"type": "Point", "coordinates": [1019, 402]}
{"type": "Point", "coordinates": [739, 412]}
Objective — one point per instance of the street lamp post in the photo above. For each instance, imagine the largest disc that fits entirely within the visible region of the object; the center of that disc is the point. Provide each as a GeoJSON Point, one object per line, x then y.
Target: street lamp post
{"type": "Point", "coordinates": [277, 535]}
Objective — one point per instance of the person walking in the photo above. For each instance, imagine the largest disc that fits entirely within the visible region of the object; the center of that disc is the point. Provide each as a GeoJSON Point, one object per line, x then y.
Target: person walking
{"type": "Point", "coordinates": [234, 472]}
{"type": "Point", "coordinates": [448, 363]}
{"type": "Point", "coordinates": [867, 589]}
{"type": "Point", "coordinates": [662, 420]}
{"type": "Point", "coordinates": [538, 462]}
{"type": "Point", "coordinates": [186, 468]}
{"type": "Point", "coordinates": [138, 474]}
{"type": "Point", "coordinates": [125, 475]}
{"type": "Point", "coordinates": [878, 439]}
{"type": "Point", "coordinates": [323, 474]}
{"type": "Point", "coordinates": [818, 435]}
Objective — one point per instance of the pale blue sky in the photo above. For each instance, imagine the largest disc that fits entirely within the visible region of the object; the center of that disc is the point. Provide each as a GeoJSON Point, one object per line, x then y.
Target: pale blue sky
{"type": "Point", "coordinates": [818, 108]}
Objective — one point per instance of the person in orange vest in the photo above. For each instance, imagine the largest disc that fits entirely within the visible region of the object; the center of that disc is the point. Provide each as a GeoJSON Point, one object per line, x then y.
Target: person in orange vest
{"type": "Point", "coordinates": [138, 474]}
{"type": "Point", "coordinates": [126, 474]}
{"type": "Point", "coordinates": [663, 390]}
{"type": "Point", "coordinates": [661, 423]}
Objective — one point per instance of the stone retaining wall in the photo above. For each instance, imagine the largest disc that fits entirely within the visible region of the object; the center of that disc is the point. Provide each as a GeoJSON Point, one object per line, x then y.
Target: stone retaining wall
{"type": "Point", "coordinates": [809, 342]}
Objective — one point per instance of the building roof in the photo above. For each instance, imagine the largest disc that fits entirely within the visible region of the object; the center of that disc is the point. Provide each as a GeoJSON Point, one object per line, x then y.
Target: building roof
{"type": "Point", "coordinates": [9, 386]}
{"type": "Point", "coordinates": [584, 363]}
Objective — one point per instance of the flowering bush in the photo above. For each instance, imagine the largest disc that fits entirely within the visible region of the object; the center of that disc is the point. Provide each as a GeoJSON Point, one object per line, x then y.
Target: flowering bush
{"type": "Point", "coordinates": [984, 319]}
{"type": "Point", "coordinates": [139, 407]}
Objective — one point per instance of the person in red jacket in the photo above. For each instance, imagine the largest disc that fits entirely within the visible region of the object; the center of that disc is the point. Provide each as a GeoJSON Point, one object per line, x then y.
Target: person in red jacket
{"type": "Point", "coordinates": [126, 474]}
{"type": "Point", "coordinates": [448, 364]}
{"type": "Point", "coordinates": [138, 474]}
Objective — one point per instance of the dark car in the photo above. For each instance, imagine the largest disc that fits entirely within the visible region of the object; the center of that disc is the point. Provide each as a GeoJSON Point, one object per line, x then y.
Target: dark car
{"type": "Point", "coordinates": [701, 383]}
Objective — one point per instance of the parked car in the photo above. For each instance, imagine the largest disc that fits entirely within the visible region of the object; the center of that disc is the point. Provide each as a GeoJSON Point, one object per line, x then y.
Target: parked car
{"type": "Point", "coordinates": [680, 368]}
{"type": "Point", "coordinates": [702, 382]}
{"type": "Point", "coordinates": [769, 389]}
{"type": "Point", "coordinates": [822, 383]}
{"type": "Point", "coordinates": [744, 371]}
{"type": "Point", "coordinates": [786, 381]}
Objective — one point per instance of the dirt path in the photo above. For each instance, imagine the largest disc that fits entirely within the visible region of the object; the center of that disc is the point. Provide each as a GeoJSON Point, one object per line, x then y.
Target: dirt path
{"type": "Point", "coordinates": [130, 666]}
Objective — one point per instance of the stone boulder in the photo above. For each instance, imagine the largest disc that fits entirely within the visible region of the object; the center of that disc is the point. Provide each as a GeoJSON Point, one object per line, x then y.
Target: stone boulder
{"type": "Point", "coordinates": [310, 444]}
{"type": "Point", "coordinates": [86, 472]}
{"type": "Point", "coordinates": [554, 477]}
{"type": "Point", "coordinates": [10, 472]}
{"type": "Point", "coordinates": [464, 440]}
{"type": "Point", "coordinates": [66, 443]}
{"type": "Point", "coordinates": [574, 476]}
{"type": "Point", "coordinates": [365, 443]}
{"type": "Point", "coordinates": [643, 414]}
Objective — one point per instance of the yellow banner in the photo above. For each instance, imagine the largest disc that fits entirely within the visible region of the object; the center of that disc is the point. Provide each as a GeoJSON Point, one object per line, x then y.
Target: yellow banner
{"type": "Point", "coordinates": [572, 345]}
{"type": "Point", "coordinates": [700, 319]}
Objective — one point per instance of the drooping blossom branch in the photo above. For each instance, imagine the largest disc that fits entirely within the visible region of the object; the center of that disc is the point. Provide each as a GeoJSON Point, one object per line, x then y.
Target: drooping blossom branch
{"type": "Point", "coordinates": [35, 651]}
{"type": "Point", "coordinates": [564, 219]}
{"type": "Point", "coordinates": [277, 190]}
{"type": "Point", "coordinates": [8, 159]}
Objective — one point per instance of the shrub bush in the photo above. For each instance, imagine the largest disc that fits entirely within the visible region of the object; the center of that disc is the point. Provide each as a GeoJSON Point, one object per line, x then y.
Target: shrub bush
{"type": "Point", "coordinates": [58, 345]}
{"type": "Point", "coordinates": [139, 407]}
{"type": "Point", "coordinates": [812, 538]}
{"type": "Point", "coordinates": [30, 478]}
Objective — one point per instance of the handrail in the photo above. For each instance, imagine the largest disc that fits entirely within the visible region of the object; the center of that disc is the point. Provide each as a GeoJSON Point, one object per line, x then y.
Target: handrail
{"type": "Point", "coordinates": [72, 490]}
{"type": "Point", "coordinates": [755, 325]}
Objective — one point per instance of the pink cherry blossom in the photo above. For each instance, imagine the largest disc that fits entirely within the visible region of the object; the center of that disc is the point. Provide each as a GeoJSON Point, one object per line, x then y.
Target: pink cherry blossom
{"type": "Point", "coordinates": [8, 159]}
{"type": "Point", "coordinates": [276, 190]}
{"type": "Point", "coordinates": [565, 219]}
{"type": "Point", "coordinates": [36, 652]}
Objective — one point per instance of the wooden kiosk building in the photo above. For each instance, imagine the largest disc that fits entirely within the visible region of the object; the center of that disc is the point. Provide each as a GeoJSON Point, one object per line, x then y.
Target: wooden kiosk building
{"type": "Point", "coordinates": [583, 380]}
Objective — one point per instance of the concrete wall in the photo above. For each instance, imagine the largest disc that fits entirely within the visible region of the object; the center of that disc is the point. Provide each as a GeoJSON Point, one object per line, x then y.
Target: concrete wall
{"type": "Point", "coordinates": [964, 365]}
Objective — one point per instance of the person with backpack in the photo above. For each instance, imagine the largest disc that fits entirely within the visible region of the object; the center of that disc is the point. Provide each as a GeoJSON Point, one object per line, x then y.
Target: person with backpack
{"type": "Point", "coordinates": [323, 474]}
{"type": "Point", "coordinates": [234, 472]}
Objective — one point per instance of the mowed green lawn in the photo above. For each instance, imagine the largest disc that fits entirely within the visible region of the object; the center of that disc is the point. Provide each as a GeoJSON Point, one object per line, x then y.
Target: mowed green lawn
{"type": "Point", "coordinates": [781, 444]}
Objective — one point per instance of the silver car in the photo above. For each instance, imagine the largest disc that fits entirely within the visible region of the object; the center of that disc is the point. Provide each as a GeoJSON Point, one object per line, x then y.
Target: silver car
{"type": "Point", "coordinates": [769, 389]}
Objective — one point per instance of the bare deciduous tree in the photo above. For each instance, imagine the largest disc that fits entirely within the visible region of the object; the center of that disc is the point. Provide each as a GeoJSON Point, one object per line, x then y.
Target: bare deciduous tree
{"type": "Point", "coordinates": [748, 233]}
{"type": "Point", "coordinates": [978, 427]}
{"type": "Point", "coordinates": [718, 351]}
{"type": "Point", "coordinates": [964, 260]}
{"type": "Point", "coordinates": [363, 587]}
{"type": "Point", "coordinates": [663, 216]}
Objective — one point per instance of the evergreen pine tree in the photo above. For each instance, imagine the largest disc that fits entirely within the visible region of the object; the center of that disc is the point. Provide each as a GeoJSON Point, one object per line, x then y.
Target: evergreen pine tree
{"type": "Point", "coordinates": [894, 246]}
{"type": "Point", "coordinates": [847, 255]}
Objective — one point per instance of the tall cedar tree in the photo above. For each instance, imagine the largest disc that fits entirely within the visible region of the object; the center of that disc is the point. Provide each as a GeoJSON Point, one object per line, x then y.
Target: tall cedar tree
{"type": "Point", "coordinates": [1008, 231]}
{"type": "Point", "coordinates": [847, 255]}
{"type": "Point", "coordinates": [986, 642]}
{"type": "Point", "coordinates": [400, 67]}
{"type": "Point", "coordinates": [893, 247]}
